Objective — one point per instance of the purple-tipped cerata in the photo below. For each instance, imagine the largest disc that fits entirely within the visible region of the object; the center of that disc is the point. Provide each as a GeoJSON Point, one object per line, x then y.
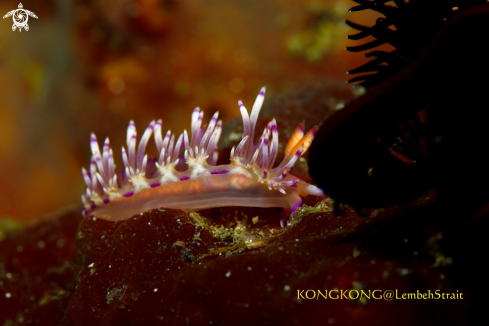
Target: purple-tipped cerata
{"type": "Point", "coordinates": [184, 174]}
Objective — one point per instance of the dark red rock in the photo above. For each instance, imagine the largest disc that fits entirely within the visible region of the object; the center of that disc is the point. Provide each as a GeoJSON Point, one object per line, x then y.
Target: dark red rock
{"type": "Point", "coordinates": [164, 267]}
{"type": "Point", "coordinates": [38, 271]}
{"type": "Point", "coordinates": [137, 271]}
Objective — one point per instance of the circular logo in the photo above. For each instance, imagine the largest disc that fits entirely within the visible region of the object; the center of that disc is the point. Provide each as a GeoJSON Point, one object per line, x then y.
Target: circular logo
{"type": "Point", "coordinates": [20, 17]}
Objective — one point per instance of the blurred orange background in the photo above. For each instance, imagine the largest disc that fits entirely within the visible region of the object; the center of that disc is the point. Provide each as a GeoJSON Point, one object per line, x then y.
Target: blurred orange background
{"type": "Point", "coordinates": [91, 66]}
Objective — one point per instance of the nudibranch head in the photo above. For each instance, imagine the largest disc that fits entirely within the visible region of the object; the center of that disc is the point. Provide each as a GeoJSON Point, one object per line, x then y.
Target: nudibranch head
{"type": "Point", "coordinates": [184, 175]}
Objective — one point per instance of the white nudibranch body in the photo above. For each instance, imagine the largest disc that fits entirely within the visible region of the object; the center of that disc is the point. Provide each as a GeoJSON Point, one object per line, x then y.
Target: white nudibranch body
{"type": "Point", "coordinates": [193, 181]}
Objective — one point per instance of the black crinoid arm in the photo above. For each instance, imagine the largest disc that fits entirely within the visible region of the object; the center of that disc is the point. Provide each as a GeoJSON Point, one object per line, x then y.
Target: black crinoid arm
{"type": "Point", "coordinates": [407, 25]}
{"type": "Point", "coordinates": [422, 127]}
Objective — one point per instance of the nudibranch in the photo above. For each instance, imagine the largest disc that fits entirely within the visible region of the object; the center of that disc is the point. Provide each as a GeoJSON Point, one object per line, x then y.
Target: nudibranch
{"type": "Point", "coordinates": [185, 175]}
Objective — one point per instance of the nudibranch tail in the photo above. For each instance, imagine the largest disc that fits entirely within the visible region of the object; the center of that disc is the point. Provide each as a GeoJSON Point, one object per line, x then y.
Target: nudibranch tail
{"type": "Point", "coordinates": [184, 175]}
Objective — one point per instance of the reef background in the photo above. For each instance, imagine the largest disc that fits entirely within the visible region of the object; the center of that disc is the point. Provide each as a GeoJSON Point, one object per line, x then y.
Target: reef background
{"type": "Point", "coordinates": [91, 66]}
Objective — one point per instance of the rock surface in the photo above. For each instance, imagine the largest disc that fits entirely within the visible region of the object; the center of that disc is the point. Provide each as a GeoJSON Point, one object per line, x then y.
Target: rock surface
{"type": "Point", "coordinates": [219, 267]}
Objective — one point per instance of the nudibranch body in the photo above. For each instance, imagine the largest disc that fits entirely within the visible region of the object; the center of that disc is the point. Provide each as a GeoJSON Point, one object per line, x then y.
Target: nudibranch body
{"type": "Point", "coordinates": [185, 175]}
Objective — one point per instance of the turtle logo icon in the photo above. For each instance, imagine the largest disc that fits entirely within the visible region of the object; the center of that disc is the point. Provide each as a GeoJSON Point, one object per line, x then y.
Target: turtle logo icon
{"type": "Point", "coordinates": [20, 17]}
